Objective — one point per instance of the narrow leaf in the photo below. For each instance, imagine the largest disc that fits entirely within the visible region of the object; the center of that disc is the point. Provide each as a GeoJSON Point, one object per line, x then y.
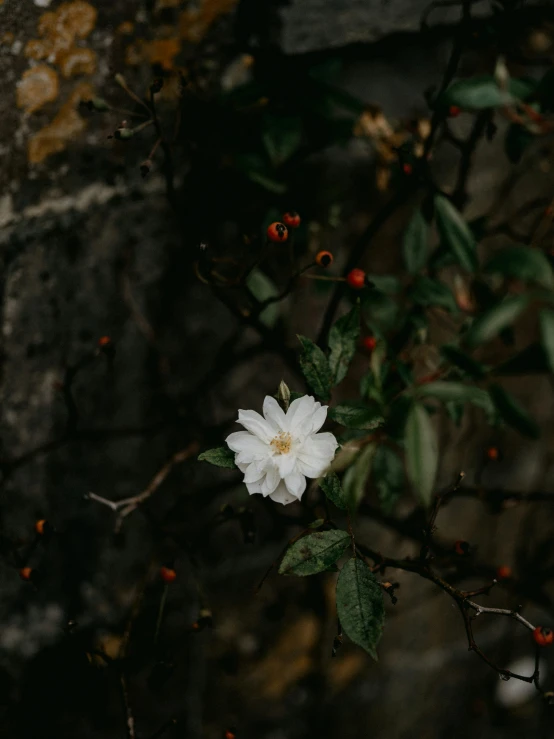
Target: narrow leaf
{"type": "Point", "coordinates": [314, 553]}
{"type": "Point", "coordinates": [315, 368]}
{"type": "Point", "coordinates": [491, 323]}
{"type": "Point", "coordinates": [387, 474]}
{"type": "Point", "coordinates": [263, 288]}
{"type": "Point", "coordinates": [360, 605]}
{"type": "Point", "coordinates": [513, 414]}
{"type": "Point", "coordinates": [547, 335]}
{"type": "Point", "coordinates": [523, 263]}
{"type": "Point", "coordinates": [457, 392]}
{"type": "Point", "coordinates": [464, 362]}
{"type": "Point", "coordinates": [220, 457]}
{"type": "Point", "coordinates": [426, 291]}
{"type": "Point", "coordinates": [356, 416]}
{"type": "Point", "coordinates": [421, 452]}
{"type": "Point", "coordinates": [330, 484]}
{"type": "Point", "coordinates": [455, 233]}
{"type": "Point", "coordinates": [343, 340]}
{"type": "Point", "coordinates": [415, 245]}
{"type": "Point", "coordinates": [355, 479]}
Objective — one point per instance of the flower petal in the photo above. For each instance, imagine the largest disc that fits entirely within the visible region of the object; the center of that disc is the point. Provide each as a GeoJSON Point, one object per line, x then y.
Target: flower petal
{"type": "Point", "coordinates": [254, 472]}
{"type": "Point", "coordinates": [300, 410]}
{"type": "Point", "coordinates": [271, 481]}
{"type": "Point", "coordinates": [310, 467]}
{"type": "Point", "coordinates": [282, 495]}
{"type": "Point", "coordinates": [296, 484]}
{"type": "Point", "coordinates": [254, 487]}
{"type": "Point", "coordinates": [274, 414]}
{"type": "Point", "coordinates": [285, 463]}
{"type": "Point", "coordinates": [318, 419]}
{"type": "Point", "coordinates": [320, 446]}
{"type": "Point", "coordinates": [256, 424]}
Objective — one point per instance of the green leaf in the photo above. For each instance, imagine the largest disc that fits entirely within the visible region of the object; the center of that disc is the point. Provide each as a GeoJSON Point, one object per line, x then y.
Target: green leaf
{"type": "Point", "coordinates": [463, 362]}
{"type": "Point", "coordinates": [547, 335]}
{"type": "Point", "coordinates": [479, 93]}
{"type": "Point", "coordinates": [457, 392]}
{"type": "Point", "coordinates": [388, 284]}
{"type": "Point", "coordinates": [220, 457]}
{"type": "Point", "coordinates": [355, 479]}
{"type": "Point", "coordinates": [314, 553]}
{"type": "Point", "coordinates": [426, 291]}
{"type": "Point", "coordinates": [315, 368]}
{"type": "Point", "coordinates": [421, 452]}
{"type": "Point", "coordinates": [512, 413]}
{"type": "Point", "coordinates": [316, 524]}
{"type": "Point", "coordinates": [282, 137]}
{"type": "Point", "coordinates": [380, 311]}
{"type": "Point", "coordinates": [415, 245]}
{"type": "Point", "coordinates": [490, 324]}
{"type": "Point", "coordinates": [330, 484]}
{"type": "Point", "coordinates": [263, 288]}
{"type": "Point", "coordinates": [387, 474]}
{"type": "Point", "coordinates": [343, 341]}
{"type": "Point", "coordinates": [455, 233]}
{"type": "Point", "coordinates": [355, 415]}
{"type": "Point", "coordinates": [360, 605]}
{"type": "Point", "coordinates": [523, 263]}
{"type": "Point", "coordinates": [529, 361]}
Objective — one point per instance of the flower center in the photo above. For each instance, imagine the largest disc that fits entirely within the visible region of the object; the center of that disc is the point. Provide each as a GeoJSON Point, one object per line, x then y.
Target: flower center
{"type": "Point", "coordinates": [282, 443]}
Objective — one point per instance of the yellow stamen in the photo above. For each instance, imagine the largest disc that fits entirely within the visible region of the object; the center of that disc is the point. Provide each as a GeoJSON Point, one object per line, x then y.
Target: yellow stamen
{"type": "Point", "coordinates": [282, 443]}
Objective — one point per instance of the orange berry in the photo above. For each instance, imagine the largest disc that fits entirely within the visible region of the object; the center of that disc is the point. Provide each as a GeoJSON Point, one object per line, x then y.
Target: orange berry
{"type": "Point", "coordinates": [407, 169]}
{"type": "Point", "coordinates": [104, 341]}
{"type": "Point", "coordinates": [167, 574]}
{"type": "Point", "coordinates": [229, 734]}
{"type": "Point", "coordinates": [195, 626]}
{"type": "Point", "coordinates": [461, 547]}
{"type": "Point", "coordinates": [369, 342]}
{"type": "Point", "coordinates": [543, 636]}
{"type": "Point", "coordinates": [454, 111]}
{"type": "Point", "coordinates": [324, 258]}
{"type": "Point", "coordinates": [504, 572]}
{"type": "Point", "coordinates": [356, 279]}
{"type": "Point", "coordinates": [25, 573]}
{"type": "Point", "coordinates": [277, 232]}
{"type": "Point", "coordinates": [291, 219]}
{"type": "Point", "coordinates": [493, 453]}
{"type": "Point", "coordinates": [40, 525]}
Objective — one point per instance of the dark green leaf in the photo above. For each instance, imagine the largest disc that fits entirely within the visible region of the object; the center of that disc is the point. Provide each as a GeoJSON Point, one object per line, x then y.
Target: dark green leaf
{"type": "Point", "coordinates": [282, 137]}
{"type": "Point", "coordinates": [512, 413]}
{"type": "Point", "coordinates": [455, 233]}
{"type": "Point", "coordinates": [263, 288]}
{"type": "Point", "coordinates": [380, 311]}
{"type": "Point", "coordinates": [397, 417]}
{"type": "Point", "coordinates": [478, 93]}
{"type": "Point", "coordinates": [523, 263]}
{"type": "Point", "coordinates": [317, 523]}
{"type": "Point", "coordinates": [517, 139]}
{"type": "Point", "coordinates": [360, 605]}
{"type": "Point", "coordinates": [220, 457]}
{"type": "Point", "coordinates": [330, 484]}
{"type": "Point", "coordinates": [426, 291]}
{"type": "Point", "coordinates": [464, 362]}
{"type": "Point", "coordinates": [355, 479]}
{"type": "Point", "coordinates": [415, 245]}
{"type": "Point", "coordinates": [315, 367]}
{"type": "Point", "coordinates": [547, 335]}
{"type": "Point", "coordinates": [386, 283]}
{"type": "Point", "coordinates": [490, 324]}
{"type": "Point", "coordinates": [356, 415]}
{"type": "Point", "coordinates": [421, 453]}
{"type": "Point", "coordinates": [387, 474]}
{"type": "Point", "coordinates": [314, 553]}
{"type": "Point", "coordinates": [455, 391]}
{"type": "Point", "coordinates": [455, 411]}
{"type": "Point", "coordinates": [529, 361]}
{"type": "Point", "coordinates": [343, 341]}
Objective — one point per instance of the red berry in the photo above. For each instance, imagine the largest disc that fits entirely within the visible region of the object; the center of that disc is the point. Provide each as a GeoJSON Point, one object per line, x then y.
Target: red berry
{"type": "Point", "coordinates": [454, 111]}
{"type": "Point", "coordinates": [40, 526]}
{"type": "Point", "coordinates": [356, 279]}
{"type": "Point", "coordinates": [25, 573]}
{"type": "Point", "coordinates": [291, 219]}
{"type": "Point", "coordinates": [369, 342]}
{"type": "Point", "coordinates": [167, 574]}
{"type": "Point", "coordinates": [277, 232]}
{"type": "Point", "coordinates": [324, 258]}
{"type": "Point", "coordinates": [504, 572]}
{"type": "Point", "coordinates": [493, 453]}
{"type": "Point", "coordinates": [461, 547]}
{"type": "Point", "coordinates": [407, 168]}
{"type": "Point", "coordinates": [543, 636]}
{"type": "Point", "coordinates": [104, 341]}
{"type": "Point", "coordinates": [229, 734]}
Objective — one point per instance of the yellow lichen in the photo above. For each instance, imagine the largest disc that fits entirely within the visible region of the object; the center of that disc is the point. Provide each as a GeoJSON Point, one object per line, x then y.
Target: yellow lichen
{"type": "Point", "coordinates": [157, 51]}
{"type": "Point", "coordinates": [126, 28]}
{"type": "Point", "coordinates": [58, 30]}
{"type": "Point", "coordinates": [193, 24]}
{"type": "Point", "coordinates": [77, 61]}
{"type": "Point", "coordinates": [38, 86]}
{"type": "Point", "coordinates": [66, 125]}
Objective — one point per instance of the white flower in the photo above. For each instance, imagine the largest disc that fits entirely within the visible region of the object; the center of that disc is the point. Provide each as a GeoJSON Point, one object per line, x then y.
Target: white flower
{"type": "Point", "coordinates": [278, 451]}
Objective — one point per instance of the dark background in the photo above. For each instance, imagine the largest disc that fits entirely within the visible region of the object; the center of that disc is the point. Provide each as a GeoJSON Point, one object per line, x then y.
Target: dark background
{"type": "Point", "coordinates": [90, 248]}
